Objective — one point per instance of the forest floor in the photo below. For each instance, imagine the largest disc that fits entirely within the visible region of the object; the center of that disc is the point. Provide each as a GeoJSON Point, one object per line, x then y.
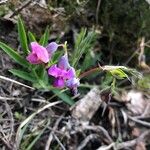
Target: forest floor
{"type": "Point", "coordinates": [99, 120]}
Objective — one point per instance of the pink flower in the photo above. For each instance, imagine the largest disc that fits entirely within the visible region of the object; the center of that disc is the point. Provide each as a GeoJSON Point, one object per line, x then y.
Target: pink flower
{"type": "Point", "coordinates": [40, 54]}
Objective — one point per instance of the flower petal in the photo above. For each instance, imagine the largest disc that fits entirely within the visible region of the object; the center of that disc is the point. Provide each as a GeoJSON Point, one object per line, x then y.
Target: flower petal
{"type": "Point", "coordinates": [33, 59]}
{"type": "Point", "coordinates": [57, 72]}
{"type": "Point", "coordinates": [40, 51]}
{"type": "Point", "coordinates": [72, 83]}
{"type": "Point", "coordinates": [63, 62]}
{"type": "Point", "coordinates": [54, 71]}
{"type": "Point", "coordinates": [52, 47]}
{"type": "Point", "coordinates": [70, 73]}
{"type": "Point", "coordinates": [59, 83]}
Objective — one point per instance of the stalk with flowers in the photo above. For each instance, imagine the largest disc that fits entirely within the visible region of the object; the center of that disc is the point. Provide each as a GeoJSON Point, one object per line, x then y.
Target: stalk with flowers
{"type": "Point", "coordinates": [47, 65]}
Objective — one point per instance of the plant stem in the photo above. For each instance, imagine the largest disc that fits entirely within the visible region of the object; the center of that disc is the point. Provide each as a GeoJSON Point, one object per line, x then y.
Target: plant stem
{"type": "Point", "coordinates": [84, 74]}
{"type": "Point", "coordinates": [39, 80]}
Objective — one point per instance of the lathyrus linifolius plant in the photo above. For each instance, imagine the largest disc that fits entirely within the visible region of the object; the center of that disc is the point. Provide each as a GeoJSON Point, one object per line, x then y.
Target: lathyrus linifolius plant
{"type": "Point", "coordinates": [40, 62]}
{"type": "Point", "coordinates": [46, 65]}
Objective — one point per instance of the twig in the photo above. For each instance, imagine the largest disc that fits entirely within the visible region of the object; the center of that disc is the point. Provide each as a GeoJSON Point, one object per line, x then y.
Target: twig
{"type": "Point", "coordinates": [59, 142]}
{"type": "Point", "coordinates": [48, 143]}
{"type": "Point", "coordinates": [144, 123]}
{"type": "Point", "coordinates": [86, 140]}
{"type": "Point", "coordinates": [16, 82]}
{"type": "Point", "coordinates": [128, 144]}
{"type": "Point", "coordinates": [5, 143]}
{"type": "Point", "coordinates": [112, 145]}
{"type": "Point", "coordinates": [25, 4]}
{"type": "Point", "coordinates": [131, 143]}
{"type": "Point", "coordinates": [146, 112]}
{"type": "Point", "coordinates": [10, 114]}
{"type": "Point", "coordinates": [99, 129]}
{"type": "Point", "coordinates": [97, 10]}
{"type": "Point", "coordinates": [20, 99]}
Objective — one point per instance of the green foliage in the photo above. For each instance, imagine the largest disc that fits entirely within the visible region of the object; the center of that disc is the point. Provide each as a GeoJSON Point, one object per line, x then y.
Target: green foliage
{"type": "Point", "coordinates": [24, 75]}
{"type": "Point", "coordinates": [63, 96]}
{"type": "Point", "coordinates": [3, 10]}
{"type": "Point", "coordinates": [36, 74]}
{"type": "Point", "coordinates": [14, 55]}
{"type": "Point", "coordinates": [114, 73]}
{"type": "Point", "coordinates": [44, 39]}
{"type": "Point", "coordinates": [83, 45]}
{"type": "Point", "coordinates": [144, 83]}
{"type": "Point", "coordinates": [118, 73]}
{"type": "Point", "coordinates": [31, 37]}
{"type": "Point", "coordinates": [22, 36]}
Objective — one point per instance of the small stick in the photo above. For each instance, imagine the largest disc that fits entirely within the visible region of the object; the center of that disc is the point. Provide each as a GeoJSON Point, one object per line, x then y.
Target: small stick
{"type": "Point", "coordinates": [25, 4]}
{"type": "Point", "coordinates": [86, 140]}
{"type": "Point", "coordinates": [16, 82]}
{"type": "Point", "coordinates": [97, 10]}
{"type": "Point", "coordinates": [48, 143]}
{"type": "Point", "coordinates": [144, 123]}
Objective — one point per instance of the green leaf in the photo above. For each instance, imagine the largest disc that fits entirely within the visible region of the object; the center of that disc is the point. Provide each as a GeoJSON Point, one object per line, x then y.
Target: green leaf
{"type": "Point", "coordinates": [84, 43]}
{"type": "Point", "coordinates": [42, 74]}
{"type": "Point", "coordinates": [118, 73]}
{"type": "Point", "coordinates": [64, 97]}
{"type": "Point", "coordinates": [14, 55]}
{"type": "Point", "coordinates": [31, 37]}
{"type": "Point", "coordinates": [44, 39]}
{"type": "Point", "coordinates": [24, 75]}
{"type": "Point", "coordinates": [40, 71]}
{"type": "Point", "coordinates": [22, 36]}
{"type": "Point", "coordinates": [78, 72]}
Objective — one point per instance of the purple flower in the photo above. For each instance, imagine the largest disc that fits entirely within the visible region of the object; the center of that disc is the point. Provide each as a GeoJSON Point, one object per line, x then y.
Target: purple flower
{"type": "Point", "coordinates": [72, 84]}
{"type": "Point", "coordinates": [61, 72]}
{"type": "Point", "coordinates": [52, 47]}
{"type": "Point", "coordinates": [64, 74]}
{"type": "Point", "coordinates": [40, 54]}
{"type": "Point", "coordinates": [63, 62]}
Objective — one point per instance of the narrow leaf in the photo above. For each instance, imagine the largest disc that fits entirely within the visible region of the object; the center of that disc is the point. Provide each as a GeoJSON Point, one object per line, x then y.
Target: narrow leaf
{"type": "Point", "coordinates": [24, 75]}
{"type": "Point", "coordinates": [14, 55]}
{"type": "Point", "coordinates": [44, 39]}
{"type": "Point", "coordinates": [64, 97]}
{"type": "Point", "coordinates": [84, 43]}
{"type": "Point", "coordinates": [22, 36]}
{"type": "Point", "coordinates": [31, 37]}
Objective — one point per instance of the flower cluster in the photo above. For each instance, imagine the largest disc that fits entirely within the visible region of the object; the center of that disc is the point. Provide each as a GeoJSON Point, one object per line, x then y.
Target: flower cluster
{"type": "Point", "coordinates": [63, 73]}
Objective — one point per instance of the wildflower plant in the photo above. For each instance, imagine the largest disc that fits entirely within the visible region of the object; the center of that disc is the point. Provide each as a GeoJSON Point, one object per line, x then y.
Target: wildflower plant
{"type": "Point", "coordinates": [47, 65]}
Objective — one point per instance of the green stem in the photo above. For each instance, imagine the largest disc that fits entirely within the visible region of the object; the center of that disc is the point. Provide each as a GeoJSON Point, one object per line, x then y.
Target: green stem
{"type": "Point", "coordinates": [39, 80]}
